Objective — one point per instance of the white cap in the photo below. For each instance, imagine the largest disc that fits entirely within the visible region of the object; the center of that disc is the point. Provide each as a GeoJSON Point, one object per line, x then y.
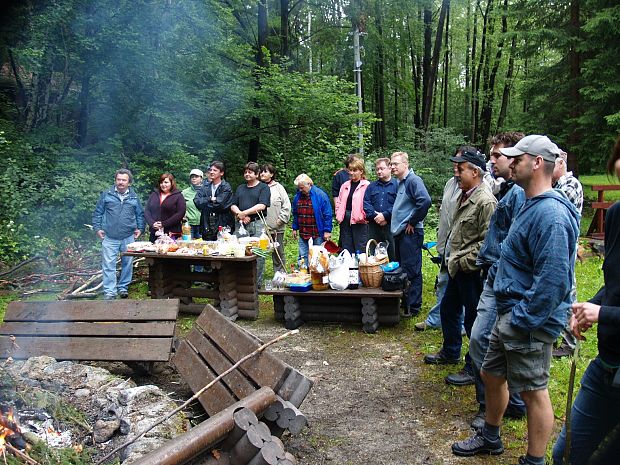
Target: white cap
{"type": "Point", "coordinates": [197, 172]}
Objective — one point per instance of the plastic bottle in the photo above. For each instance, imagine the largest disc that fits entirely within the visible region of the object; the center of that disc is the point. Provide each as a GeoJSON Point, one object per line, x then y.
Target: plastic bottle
{"type": "Point", "coordinates": [263, 241]}
{"type": "Point", "coordinates": [186, 230]}
{"type": "Point", "coordinates": [220, 233]}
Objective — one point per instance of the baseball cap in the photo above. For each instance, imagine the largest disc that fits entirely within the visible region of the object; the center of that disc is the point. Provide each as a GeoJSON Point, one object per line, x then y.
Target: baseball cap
{"type": "Point", "coordinates": [535, 145]}
{"type": "Point", "coordinates": [472, 157]}
{"type": "Point", "coordinates": [197, 172]}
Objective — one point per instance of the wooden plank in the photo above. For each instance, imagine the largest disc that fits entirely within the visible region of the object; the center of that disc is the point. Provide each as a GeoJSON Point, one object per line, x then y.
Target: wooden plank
{"type": "Point", "coordinates": [110, 329]}
{"type": "Point", "coordinates": [235, 381]}
{"type": "Point", "coordinates": [197, 375]}
{"type": "Point", "coordinates": [606, 187]}
{"type": "Point", "coordinates": [86, 348]}
{"type": "Point", "coordinates": [264, 369]}
{"type": "Point", "coordinates": [93, 310]}
{"type": "Point", "coordinates": [603, 205]}
{"type": "Point", "coordinates": [329, 293]}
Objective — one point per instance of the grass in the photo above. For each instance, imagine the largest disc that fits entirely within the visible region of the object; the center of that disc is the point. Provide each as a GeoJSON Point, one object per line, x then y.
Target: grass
{"type": "Point", "coordinates": [587, 181]}
{"type": "Point", "coordinates": [589, 279]}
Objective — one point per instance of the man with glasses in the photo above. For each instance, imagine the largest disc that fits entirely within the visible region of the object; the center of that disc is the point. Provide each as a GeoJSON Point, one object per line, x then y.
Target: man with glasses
{"type": "Point", "coordinates": [406, 225]}
{"type": "Point", "coordinates": [532, 291]}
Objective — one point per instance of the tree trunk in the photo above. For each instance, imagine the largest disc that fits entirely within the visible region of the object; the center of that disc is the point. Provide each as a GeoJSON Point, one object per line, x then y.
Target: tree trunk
{"type": "Point", "coordinates": [483, 51]}
{"type": "Point", "coordinates": [428, 95]}
{"type": "Point", "coordinates": [426, 64]}
{"type": "Point", "coordinates": [489, 96]}
{"type": "Point", "coordinates": [284, 33]}
{"type": "Point", "coordinates": [84, 113]}
{"type": "Point", "coordinates": [446, 73]}
{"type": "Point", "coordinates": [21, 99]}
{"type": "Point", "coordinates": [574, 63]}
{"type": "Point", "coordinates": [466, 115]}
{"type": "Point", "coordinates": [415, 76]}
{"type": "Point", "coordinates": [254, 145]}
{"type": "Point", "coordinates": [474, 90]}
{"type": "Point", "coordinates": [381, 138]}
{"type": "Point", "coordinates": [507, 84]}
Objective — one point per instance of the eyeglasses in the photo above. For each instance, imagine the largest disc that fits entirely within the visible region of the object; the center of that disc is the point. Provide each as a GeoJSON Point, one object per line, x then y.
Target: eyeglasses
{"type": "Point", "coordinates": [396, 163]}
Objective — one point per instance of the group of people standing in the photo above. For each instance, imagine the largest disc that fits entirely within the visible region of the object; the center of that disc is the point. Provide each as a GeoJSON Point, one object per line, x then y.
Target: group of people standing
{"type": "Point", "coordinates": [507, 242]}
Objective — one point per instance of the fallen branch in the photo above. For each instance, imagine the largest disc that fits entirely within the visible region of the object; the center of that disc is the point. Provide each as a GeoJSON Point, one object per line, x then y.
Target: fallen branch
{"type": "Point", "coordinates": [24, 263]}
{"type": "Point", "coordinates": [199, 393]}
{"type": "Point", "coordinates": [18, 453]}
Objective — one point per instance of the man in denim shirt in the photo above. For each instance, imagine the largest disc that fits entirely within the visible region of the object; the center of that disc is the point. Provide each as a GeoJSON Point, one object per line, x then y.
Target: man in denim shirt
{"type": "Point", "coordinates": [510, 200]}
{"type": "Point", "coordinates": [118, 220]}
{"type": "Point", "coordinates": [532, 290]}
{"type": "Point", "coordinates": [378, 203]}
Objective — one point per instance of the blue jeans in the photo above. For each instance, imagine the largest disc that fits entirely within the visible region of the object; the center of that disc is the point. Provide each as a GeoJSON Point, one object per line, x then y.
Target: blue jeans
{"type": "Point", "coordinates": [304, 247]}
{"type": "Point", "coordinates": [196, 234]}
{"type": "Point", "coordinates": [434, 319]}
{"type": "Point", "coordinates": [479, 343]}
{"type": "Point", "coordinates": [409, 254]}
{"type": "Point", "coordinates": [462, 291]}
{"type": "Point", "coordinates": [595, 413]}
{"type": "Point", "coordinates": [109, 251]}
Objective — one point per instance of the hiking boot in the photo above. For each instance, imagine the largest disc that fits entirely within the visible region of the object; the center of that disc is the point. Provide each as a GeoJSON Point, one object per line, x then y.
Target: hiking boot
{"type": "Point", "coordinates": [462, 378]}
{"type": "Point", "coordinates": [562, 351]}
{"type": "Point", "coordinates": [123, 294]}
{"type": "Point", "coordinates": [478, 422]}
{"type": "Point", "coordinates": [477, 444]}
{"type": "Point", "coordinates": [440, 359]}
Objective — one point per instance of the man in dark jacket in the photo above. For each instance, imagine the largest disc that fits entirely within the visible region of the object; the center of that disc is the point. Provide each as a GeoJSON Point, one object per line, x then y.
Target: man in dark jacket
{"type": "Point", "coordinates": [213, 200]}
{"type": "Point", "coordinates": [118, 220]}
{"type": "Point", "coordinates": [378, 203]}
{"type": "Point", "coordinates": [532, 290]}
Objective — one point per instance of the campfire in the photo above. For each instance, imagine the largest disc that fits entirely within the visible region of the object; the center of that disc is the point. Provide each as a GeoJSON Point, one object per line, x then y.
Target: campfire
{"type": "Point", "coordinates": [10, 432]}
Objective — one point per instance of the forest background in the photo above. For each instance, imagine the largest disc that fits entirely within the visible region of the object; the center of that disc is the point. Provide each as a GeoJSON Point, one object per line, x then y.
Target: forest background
{"type": "Point", "coordinates": [168, 85]}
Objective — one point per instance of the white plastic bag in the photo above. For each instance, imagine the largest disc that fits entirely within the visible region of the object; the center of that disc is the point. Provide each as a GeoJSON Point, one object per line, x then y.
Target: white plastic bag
{"type": "Point", "coordinates": [339, 271]}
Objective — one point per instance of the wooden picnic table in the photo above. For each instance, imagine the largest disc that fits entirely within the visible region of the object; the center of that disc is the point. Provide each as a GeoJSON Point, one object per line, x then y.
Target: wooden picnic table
{"type": "Point", "coordinates": [368, 306]}
{"type": "Point", "coordinates": [597, 226]}
{"type": "Point", "coordinates": [229, 281]}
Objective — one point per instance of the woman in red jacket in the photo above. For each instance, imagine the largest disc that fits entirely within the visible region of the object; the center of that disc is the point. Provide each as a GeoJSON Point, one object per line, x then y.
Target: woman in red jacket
{"type": "Point", "coordinates": [165, 208]}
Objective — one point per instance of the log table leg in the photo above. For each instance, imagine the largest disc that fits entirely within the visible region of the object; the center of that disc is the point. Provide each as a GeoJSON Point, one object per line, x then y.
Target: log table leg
{"type": "Point", "coordinates": [227, 284]}
{"type": "Point", "coordinates": [370, 315]}
{"type": "Point", "coordinates": [292, 313]}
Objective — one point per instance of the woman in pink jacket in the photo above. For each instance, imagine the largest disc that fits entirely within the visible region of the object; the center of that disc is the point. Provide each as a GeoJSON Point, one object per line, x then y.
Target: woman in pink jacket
{"type": "Point", "coordinates": [350, 209]}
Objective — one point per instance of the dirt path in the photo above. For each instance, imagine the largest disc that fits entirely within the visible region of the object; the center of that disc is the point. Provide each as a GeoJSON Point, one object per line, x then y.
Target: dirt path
{"type": "Point", "coordinates": [373, 401]}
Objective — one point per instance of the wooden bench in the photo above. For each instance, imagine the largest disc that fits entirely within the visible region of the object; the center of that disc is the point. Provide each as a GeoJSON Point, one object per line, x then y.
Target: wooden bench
{"type": "Point", "coordinates": [597, 226]}
{"type": "Point", "coordinates": [213, 345]}
{"type": "Point", "coordinates": [368, 306]}
{"type": "Point", "coordinates": [124, 330]}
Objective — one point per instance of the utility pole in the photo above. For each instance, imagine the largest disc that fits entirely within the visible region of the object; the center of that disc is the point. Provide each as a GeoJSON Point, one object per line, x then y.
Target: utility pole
{"type": "Point", "coordinates": [358, 85]}
{"type": "Point", "coordinates": [308, 45]}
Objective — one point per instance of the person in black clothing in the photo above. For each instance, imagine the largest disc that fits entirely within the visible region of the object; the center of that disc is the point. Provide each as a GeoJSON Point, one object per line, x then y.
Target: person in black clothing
{"type": "Point", "coordinates": [213, 200]}
{"type": "Point", "coordinates": [596, 411]}
{"type": "Point", "coordinates": [165, 208]}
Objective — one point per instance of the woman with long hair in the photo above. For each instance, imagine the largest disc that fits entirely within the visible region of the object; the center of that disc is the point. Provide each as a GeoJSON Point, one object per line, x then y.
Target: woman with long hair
{"type": "Point", "coordinates": [165, 208]}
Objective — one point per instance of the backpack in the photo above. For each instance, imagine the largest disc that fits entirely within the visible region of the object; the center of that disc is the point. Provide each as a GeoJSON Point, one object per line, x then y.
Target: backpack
{"type": "Point", "coordinates": [395, 280]}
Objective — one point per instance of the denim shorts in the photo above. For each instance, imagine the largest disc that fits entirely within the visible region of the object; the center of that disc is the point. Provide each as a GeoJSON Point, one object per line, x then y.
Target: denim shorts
{"type": "Point", "coordinates": [521, 357]}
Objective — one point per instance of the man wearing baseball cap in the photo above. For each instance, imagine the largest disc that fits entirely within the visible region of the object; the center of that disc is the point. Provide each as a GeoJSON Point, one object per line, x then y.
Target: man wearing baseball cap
{"type": "Point", "coordinates": [470, 223]}
{"type": "Point", "coordinates": [532, 290]}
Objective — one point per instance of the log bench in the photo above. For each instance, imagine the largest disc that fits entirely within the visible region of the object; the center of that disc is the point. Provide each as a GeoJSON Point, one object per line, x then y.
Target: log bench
{"type": "Point", "coordinates": [213, 345]}
{"type": "Point", "coordinates": [597, 226]}
{"type": "Point", "coordinates": [368, 306]}
{"type": "Point", "coordinates": [129, 331]}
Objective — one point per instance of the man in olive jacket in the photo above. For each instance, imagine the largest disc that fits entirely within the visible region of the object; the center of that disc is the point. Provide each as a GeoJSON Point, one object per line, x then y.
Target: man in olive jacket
{"type": "Point", "coordinates": [469, 228]}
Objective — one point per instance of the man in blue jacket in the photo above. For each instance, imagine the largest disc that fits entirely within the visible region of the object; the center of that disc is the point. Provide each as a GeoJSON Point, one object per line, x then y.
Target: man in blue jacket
{"type": "Point", "coordinates": [532, 289]}
{"type": "Point", "coordinates": [410, 208]}
{"type": "Point", "coordinates": [118, 220]}
{"type": "Point", "coordinates": [312, 215]}
{"type": "Point", "coordinates": [378, 203]}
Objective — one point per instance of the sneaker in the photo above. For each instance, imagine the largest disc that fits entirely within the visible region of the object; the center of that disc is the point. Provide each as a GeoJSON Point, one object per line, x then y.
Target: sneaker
{"type": "Point", "coordinates": [462, 378]}
{"type": "Point", "coordinates": [477, 444]}
{"type": "Point", "coordinates": [123, 294]}
{"type": "Point", "coordinates": [440, 359]}
{"type": "Point", "coordinates": [423, 326]}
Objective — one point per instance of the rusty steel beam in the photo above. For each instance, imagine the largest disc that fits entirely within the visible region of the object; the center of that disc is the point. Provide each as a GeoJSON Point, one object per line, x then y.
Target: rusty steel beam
{"type": "Point", "coordinates": [204, 436]}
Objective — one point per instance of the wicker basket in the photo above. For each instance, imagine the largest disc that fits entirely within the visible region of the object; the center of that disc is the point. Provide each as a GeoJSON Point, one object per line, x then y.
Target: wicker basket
{"type": "Point", "coordinates": [371, 275]}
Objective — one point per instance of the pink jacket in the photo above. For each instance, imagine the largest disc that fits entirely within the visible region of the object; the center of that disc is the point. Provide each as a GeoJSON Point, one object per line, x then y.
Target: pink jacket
{"type": "Point", "coordinates": [357, 211]}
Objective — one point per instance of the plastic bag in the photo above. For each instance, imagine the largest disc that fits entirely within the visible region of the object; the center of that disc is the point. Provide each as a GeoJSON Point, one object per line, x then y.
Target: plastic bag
{"type": "Point", "coordinates": [339, 271]}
